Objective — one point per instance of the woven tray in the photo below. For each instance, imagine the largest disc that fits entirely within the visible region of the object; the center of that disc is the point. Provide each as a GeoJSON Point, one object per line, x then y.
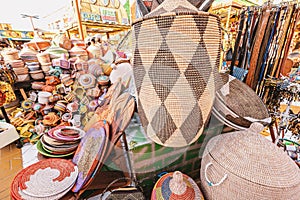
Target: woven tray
{"type": "Point", "coordinates": [45, 178]}
{"type": "Point", "coordinates": [89, 153]}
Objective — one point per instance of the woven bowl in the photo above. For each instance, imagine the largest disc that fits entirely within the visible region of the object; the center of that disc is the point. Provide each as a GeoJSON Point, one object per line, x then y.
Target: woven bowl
{"type": "Point", "coordinates": [176, 185]}
{"type": "Point", "coordinates": [174, 71]}
{"type": "Point", "coordinates": [43, 58]}
{"type": "Point", "coordinates": [237, 105]}
{"type": "Point", "coordinates": [21, 70]}
{"type": "Point", "coordinates": [10, 54]}
{"type": "Point", "coordinates": [245, 165]}
{"type": "Point", "coordinates": [37, 75]}
{"type": "Point", "coordinates": [16, 63]}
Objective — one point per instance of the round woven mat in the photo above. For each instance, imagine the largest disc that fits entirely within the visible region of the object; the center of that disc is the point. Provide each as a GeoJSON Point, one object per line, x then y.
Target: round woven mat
{"type": "Point", "coordinates": [45, 179]}
{"type": "Point", "coordinates": [88, 154]}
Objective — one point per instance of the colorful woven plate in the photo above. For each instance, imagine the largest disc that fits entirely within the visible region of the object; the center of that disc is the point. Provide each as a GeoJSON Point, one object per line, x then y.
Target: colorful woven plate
{"type": "Point", "coordinates": [47, 178]}
{"type": "Point", "coordinates": [56, 133]}
{"type": "Point", "coordinates": [42, 151]}
{"type": "Point", "coordinates": [89, 153]}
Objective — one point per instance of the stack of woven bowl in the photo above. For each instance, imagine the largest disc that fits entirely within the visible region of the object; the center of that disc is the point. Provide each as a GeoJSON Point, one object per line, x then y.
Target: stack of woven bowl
{"type": "Point", "coordinates": [35, 71]}
{"type": "Point", "coordinates": [46, 179]}
{"type": "Point", "coordinates": [60, 141]}
{"type": "Point", "coordinates": [237, 105]}
{"type": "Point", "coordinates": [44, 59]}
{"type": "Point", "coordinates": [78, 51]}
{"type": "Point", "coordinates": [11, 57]}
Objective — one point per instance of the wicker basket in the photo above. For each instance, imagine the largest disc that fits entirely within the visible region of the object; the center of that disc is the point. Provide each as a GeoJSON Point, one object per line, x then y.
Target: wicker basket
{"type": "Point", "coordinates": [237, 105]}
{"type": "Point", "coordinates": [175, 185]}
{"type": "Point", "coordinates": [176, 56]}
{"type": "Point", "coordinates": [245, 165]}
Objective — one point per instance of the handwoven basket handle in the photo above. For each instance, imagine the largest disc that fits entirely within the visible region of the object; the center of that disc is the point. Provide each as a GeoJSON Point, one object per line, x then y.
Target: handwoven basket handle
{"type": "Point", "coordinates": [211, 183]}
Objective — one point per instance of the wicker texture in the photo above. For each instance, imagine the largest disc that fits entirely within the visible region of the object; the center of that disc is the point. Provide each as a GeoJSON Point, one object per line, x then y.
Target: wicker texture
{"type": "Point", "coordinates": [176, 186]}
{"type": "Point", "coordinates": [89, 153]}
{"type": "Point", "coordinates": [46, 179]}
{"type": "Point", "coordinates": [237, 105]}
{"type": "Point", "coordinates": [245, 165]}
{"type": "Point", "coordinates": [176, 56]}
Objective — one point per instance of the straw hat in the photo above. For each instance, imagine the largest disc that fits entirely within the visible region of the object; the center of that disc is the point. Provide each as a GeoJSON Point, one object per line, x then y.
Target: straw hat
{"type": "Point", "coordinates": [176, 58]}
{"type": "Point", "coordinates": [176, 186]}
{"type": "Point", "coordinates": [245, 165]}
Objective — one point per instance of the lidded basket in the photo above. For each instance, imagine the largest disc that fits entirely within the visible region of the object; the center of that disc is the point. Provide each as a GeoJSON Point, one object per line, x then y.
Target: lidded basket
{"type": "Point", "coordinates": [245, 165]}
{"type": "Point", "coordinates": [176, 57]}
{"type": "Point", "coordinates": [176, 185]}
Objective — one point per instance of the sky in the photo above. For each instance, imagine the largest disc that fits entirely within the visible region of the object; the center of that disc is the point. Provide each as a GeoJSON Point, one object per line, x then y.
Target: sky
{"type": "Point", "coordinates": [11, 11]}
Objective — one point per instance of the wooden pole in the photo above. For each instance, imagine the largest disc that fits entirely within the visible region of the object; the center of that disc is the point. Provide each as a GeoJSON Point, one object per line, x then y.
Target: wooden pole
{"type": "Point", "coordinates": [81, 34]}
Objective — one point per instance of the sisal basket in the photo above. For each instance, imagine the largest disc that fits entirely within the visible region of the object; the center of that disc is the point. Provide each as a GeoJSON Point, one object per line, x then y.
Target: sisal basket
{"type": "Point", "coordinates": [245, 165]}
{"type": "Point", "coordinates": [176, 57]}
{"type": "Point", "coordinates": [237, 105]}
{"type": "Point", "coordinates": [175, 185]}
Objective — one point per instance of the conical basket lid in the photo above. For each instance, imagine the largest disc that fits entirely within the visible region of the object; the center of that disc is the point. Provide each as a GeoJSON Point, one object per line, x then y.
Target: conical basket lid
{"type": "Point", "coordinates": [250, 156]}
{"type": "Point", "coordinates": [173, 6]}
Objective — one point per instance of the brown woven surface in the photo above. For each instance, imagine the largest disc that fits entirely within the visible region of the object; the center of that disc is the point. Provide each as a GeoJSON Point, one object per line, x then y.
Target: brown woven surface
{"type": "Point", "coordinates": [256, 168]}
{"type": "Point", "coordinates": [239, 104]}
{"type": "Point", "coordinates": [176, 56]}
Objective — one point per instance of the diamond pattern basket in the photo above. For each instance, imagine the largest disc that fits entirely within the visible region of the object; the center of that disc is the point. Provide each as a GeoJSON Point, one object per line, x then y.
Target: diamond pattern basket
{"type": "Point", "coordinates": [176, 56]}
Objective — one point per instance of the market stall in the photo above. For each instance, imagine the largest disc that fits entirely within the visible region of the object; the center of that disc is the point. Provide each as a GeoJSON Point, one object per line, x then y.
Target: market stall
{"type": "Point", "coordinates": [150, 126]}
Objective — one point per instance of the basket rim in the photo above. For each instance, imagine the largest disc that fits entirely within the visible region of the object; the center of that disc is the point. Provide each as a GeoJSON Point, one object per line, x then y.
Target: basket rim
{"type": "Point", "coordinates": [190, 13]}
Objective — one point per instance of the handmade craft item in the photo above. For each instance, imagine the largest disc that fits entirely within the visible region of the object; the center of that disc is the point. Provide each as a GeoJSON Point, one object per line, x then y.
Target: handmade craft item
{"type": "Point", "coordinates": [175, 185]}
{"type": "Point", "coordinates": [237, 105]}
{"type": "Point", "coordinates": [246, 165]}
{"type": "Point", "coordinates": [89, 153]}
{"type": "Point", "coordinates": [175, 66]}
{"type": "Point", "coordinates": [57, 176]}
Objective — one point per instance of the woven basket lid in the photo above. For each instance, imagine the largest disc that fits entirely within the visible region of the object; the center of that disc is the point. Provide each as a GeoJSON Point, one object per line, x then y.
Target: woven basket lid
{"type": "Point", "coordinates": [239, 104]}
{"type": "Point", "coordinates": [48, 177]}
{"type": "Point", "coordinates": [171, 7]}
{"type": "Point", "coordinates": [175, 185]}
{"type": "Point", "coordinates": [252, 157]}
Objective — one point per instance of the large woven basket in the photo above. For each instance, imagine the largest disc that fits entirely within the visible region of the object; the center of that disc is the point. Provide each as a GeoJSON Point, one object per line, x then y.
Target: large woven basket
{"type": "Point", "coordinates": [176, 55]}
{"type": "Point", "coordinates": [237, 105]}
{"type": "Point", "coordinates": [245, 165]}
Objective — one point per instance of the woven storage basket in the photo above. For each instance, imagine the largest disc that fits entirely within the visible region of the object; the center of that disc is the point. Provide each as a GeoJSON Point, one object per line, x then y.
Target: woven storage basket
{"type": "Point", "coordinates": [176, 56]}
{"type": "Point", "coordinates": [245, 165]}
{"type": "Point", "coordinates": [237, 105]}
{"type": "Point", "coordinates": [175, 185]}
